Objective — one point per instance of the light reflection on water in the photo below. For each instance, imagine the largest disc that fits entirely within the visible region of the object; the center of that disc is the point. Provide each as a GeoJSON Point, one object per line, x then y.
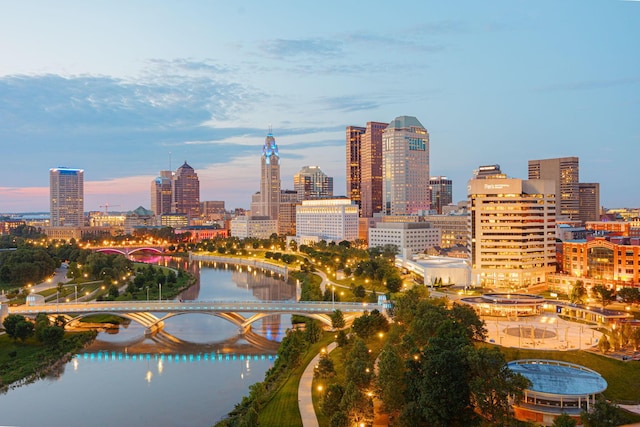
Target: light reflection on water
{"type": "Point", "coordinates": [192, 374]}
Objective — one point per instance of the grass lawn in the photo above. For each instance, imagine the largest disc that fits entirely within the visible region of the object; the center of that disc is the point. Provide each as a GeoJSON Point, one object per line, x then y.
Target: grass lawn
{"type": "Point", "coordinates": [282, 410]}
{"type": "Point", "coordinates": [622, 377]}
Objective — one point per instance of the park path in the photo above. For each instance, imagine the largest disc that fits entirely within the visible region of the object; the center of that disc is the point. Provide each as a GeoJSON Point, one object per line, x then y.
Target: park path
{"type": "Point", "coordinates": [305, 400]}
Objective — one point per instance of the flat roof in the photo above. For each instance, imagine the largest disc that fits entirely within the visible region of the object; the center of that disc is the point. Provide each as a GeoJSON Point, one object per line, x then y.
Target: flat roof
{"type": "Point", "coordinates": [560, 378]}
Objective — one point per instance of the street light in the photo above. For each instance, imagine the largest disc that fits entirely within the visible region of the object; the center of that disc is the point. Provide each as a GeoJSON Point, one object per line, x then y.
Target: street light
{"type": "Point", "coordinates": [76, 286]}
{"type": "Point", "coordinates": [333, 298]}
{"type": "Point", "coordinates": [147, 293]}
{"type": "Point", "coordinates": [160, 292]}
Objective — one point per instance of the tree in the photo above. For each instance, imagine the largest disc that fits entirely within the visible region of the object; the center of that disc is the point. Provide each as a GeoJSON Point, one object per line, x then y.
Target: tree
{"type": "Point", "coordinates": [325, 368]}
{"type": "Point", "coordinates": [312, 331]}
{"type": "Point", "coordinates": [602, 414]}
{"type": "Point", "coordinates": [604, 345]}
{"type": "Point", "coordinates": [357, 405]}
{"type": "Point", "coordinates": [331, 401]}
{"type": "Point", "coordinates": [23, 330]}
{"type": "Point", "coordinates": [564, 420]}
{"type": "Point", "coordinates": [337, 319]}
{"type": "Point", "coordinates": [391, 379]}
{"type": "Point", "coordinates": [10, 322]}
{"type": "Point", "coordinates": [394, 283]}
{"type": "Point", "coordinates": [578, 292]}
{"type": "Point", "coordinates": [358, 365]}
{"type": "Point", "coordinates": [604, 294]}
{"type": "Point", "coordinates": [629, 295]}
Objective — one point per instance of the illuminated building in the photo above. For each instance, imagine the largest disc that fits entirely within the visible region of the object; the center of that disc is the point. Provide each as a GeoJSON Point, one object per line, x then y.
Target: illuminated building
{"type": "Point", "coordinates": [260, 227]}
{"type": "Point", "coordinates": [512, 231]}
{"type": "Point", "coordinates": [453, 228]}
{"type": "Point", "coordinates": [405, 165]}
{"type": "Point", "coordinates": [327, 219]}
{"type": "Point", "coordinates": [162, 193]}
{"type": "Point", "coordinates": [409, 237]}
{"type": "Point", "coordinates": [186, 192]}
{"type": "Point", "coordinates": [312, 183]}
{"type": "Point", "coordinates": [354, 143]}
{"type": "Point", "coordinates": [138, 218]}
{"type": "Point", "coordinates": [564, 172]}
{"type": "Point", "coordinates": [611, 261]}
{"type": "Point", "coordinates": [267, 201]}
{"type": "Point", "coordinates": [441, 189]}
{"type": "Point", "coordinates": [287, 212]}
{"type": "Point", "coordinates": [609, 228]}
{"type": "Point", "coordinates": [66, 189]}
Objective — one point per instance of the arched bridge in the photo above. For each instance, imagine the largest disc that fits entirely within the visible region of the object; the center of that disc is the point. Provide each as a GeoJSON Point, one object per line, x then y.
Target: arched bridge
{"type": "Point", "coordinates": [146, 312]}
{"type": "Point", "coordinates": [128, 250]}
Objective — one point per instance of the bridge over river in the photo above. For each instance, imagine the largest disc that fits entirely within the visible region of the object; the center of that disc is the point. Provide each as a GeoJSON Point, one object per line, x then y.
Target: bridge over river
{"type": "Point", "coordinates": [240, 313]}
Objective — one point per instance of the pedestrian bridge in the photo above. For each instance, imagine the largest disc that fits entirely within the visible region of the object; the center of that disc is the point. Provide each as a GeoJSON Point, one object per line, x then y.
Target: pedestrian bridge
{"type": "Point", "coordinates": [151, 315]}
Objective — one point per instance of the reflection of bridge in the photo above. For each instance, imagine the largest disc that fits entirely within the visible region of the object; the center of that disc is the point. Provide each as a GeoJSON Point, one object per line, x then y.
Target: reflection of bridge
{"type": "Point", "coordinates": [113, 356]}
{"type": "Point", "coordinates": [142, 312]}
{"type": "Point", "coordinates": [129, 250]}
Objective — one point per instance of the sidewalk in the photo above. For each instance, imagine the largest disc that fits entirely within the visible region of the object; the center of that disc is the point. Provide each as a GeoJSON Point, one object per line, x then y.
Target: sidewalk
{"type": "Point", "coordinates": [305, 400]}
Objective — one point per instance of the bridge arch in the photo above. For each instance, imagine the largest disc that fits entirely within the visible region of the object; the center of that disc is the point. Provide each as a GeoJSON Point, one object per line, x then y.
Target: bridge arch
{"type": "Point", "coordinates": [156, 250]}
{"type": "Point", "coordinates": [110, 250]}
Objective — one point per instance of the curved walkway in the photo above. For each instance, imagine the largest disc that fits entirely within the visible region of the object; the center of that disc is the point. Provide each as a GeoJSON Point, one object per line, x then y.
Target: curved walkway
{"type": "Point", "coordinates": [305, 398]}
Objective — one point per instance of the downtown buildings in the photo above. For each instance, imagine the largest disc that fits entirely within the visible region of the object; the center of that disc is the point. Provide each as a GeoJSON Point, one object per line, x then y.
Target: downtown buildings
{"type": "Point", "coordinates": [66, 196]}
{"type": "Point", "coordinates": [176, 193]}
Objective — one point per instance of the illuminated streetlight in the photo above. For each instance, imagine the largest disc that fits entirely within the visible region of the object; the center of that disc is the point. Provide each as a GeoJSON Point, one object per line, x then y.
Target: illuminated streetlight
{"type": "Point", "coordinates": [159, 292]}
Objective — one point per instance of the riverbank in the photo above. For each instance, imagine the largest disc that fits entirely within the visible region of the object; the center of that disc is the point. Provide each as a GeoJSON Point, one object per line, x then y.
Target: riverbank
{"type": "Point", "coordinates": [23, 363]}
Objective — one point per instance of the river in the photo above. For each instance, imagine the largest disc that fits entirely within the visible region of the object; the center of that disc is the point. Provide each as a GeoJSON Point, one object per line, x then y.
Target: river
{"type": "Point", "coordinates": [191, 374]}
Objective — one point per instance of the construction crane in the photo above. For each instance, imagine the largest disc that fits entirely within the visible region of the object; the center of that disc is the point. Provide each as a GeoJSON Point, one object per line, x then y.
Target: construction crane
{"type": "Point", "coordinates": [106, 207]}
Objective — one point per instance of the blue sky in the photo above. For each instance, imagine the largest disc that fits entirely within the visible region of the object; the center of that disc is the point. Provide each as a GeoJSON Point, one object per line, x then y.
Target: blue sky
{"type": "Point", "coordinates": [118, 88]}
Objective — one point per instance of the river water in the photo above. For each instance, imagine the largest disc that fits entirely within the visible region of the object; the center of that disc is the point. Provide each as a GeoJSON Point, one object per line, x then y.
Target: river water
{"type": "Point", "coordinates": [191, 374]}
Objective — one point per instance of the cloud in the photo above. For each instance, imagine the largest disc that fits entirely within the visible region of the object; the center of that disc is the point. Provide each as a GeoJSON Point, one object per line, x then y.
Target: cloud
{"type": "Point", "coordinates": [350, 103]}
{"type": "Point", "coordinates": [288, 48]}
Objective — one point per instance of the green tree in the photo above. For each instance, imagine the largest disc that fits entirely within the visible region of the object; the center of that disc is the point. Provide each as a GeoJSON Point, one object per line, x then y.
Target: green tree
{"type": "Point", "coordinates": [337, 319]}
{"type": "Point", "coordinates": [312, 331]}
{"type": "Point", "coordinates": [602, 414]}
{"type": "Point", "coordinates": [358, 364]}
{"type": "Point", "coordinates": [564, 420]}
{"type": "Point", "coordinates": [357, 405]}
{"type": "Point", "coordinates": [332, 398]}
{"type": "Point", "coordinates": [391, 379]}
{"type": "Point", "coordinates": [604, 294]}
{"type": "Point", "coordinates": [23, 330]}
{"type": "Point", "coordinates": [603, 344]}
{"type": "Point", "coordinates": [340, 419]}
{"type": "Point", "coordinates": [578, 292]}
{"type": "Point", "coordinates": [629, 295]}
{"type": "Point", "coordinates": [325, 368]}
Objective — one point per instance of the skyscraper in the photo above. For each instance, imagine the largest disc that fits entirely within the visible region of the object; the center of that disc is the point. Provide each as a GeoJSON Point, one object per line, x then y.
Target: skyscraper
{"type": "Point", "coordinates": [186, 192]}
{"type": "Point", "coordinates": [66, 190]}
{"type": "Point", "coordinates": [364, 167]}
{"type": "Point", "coordinates": [267, 201]}
{"type": "Point", "coordinates": [512, 231]}
{"type": "Point", "coordinates": [441, 189]}
{"type": "Point", "coordinates": [371, 169]}
{"type": "Point", "coordinates": [312, 183]}
{"type": "Point", "coordinates": [162, 193]}
{"type": "Point", "coordinates": [589, 201]}
{"type": "Point", "coordinates": [564, 171]}
{"type": "Point", "coordinates": [405, 165]}
{"type": "Point", "coordinates": [354, 143]}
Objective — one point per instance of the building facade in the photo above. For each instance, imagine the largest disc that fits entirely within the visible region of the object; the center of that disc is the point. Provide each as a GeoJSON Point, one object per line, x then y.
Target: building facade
{"type": "Point", "coordinates": [371, 169]}
{"type": "Point", "coordinates": [186, 192]}
{"type": "Point", "coordinates": [328, 219]}
{"type": "Point", "coordinates": [589, 201]}
{"type": "Point", "coordinates": [311, 183]}
{"type": "Point", "coordinates": [405, 163]}
{"type": "Point", "coordinates": [260, 227]}
{"type": "Point", "coordinates": [162, 193]}
{"type": "Point", "coordinates": [511, 232]}
{"type": "Point", "coordinates": [409, 237]}
{"type": "Point", "coordinates": [66, 191]}
{"type": "Point", "coordinates": [564, 172]}
{"type": "Point", "coordinates": [354, 167]}
{"type": "Point", "coordinates": [269, 179]}
{"type": "Point", "coordinates": [441, 189]}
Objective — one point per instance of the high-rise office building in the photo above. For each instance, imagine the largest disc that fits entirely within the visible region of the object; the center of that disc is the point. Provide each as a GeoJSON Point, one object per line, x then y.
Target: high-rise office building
{"type": "Point", "coordinates": [564, 172]}
{"type": "Point", "coordinates": [186, 192]}
{"type": "Point", "coordinates": [364, 167]}
{"type": "Point", "coordinates": [405, 165]}
{"type": "Point", "coordinates": [512, 237]}
{"type": "Point", "coordinates": [354, 143]}
{"type": "Point", "coordinates": [267, 201]}
{"type": "Point", "coordinates": [441, 189]}
{"type": "Point", "coordinates": [311, 183]}
{"type": "Point", "coordinates": [371, 169]}
{"type": "Point", "coordinates": [162, 193]}
{"type": "Point", "coordinates": [589, 201]}
{"type": "Point", "coordinates": [66, 190]}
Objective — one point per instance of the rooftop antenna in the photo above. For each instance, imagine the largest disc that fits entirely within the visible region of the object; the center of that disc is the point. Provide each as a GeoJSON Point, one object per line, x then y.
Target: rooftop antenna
{"type": "Point", "coordinates": [170, 160]}
{"type": "Point", "coordinates": [270, 130]}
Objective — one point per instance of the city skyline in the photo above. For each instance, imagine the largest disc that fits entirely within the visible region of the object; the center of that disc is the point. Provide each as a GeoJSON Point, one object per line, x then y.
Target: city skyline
{"type": "Point", "coordinates": [493, 82]}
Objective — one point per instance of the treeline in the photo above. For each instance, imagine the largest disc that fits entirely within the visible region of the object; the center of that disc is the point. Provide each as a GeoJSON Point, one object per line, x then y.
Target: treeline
{"type": "Point", "coordinates": [150, 281]}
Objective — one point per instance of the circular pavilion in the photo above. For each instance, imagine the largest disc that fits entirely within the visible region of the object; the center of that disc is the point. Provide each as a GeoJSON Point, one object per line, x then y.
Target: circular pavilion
{"type": "Point", "coordinates": [506, 305]}
{"type": "Point", "coordinates": [557, 387]}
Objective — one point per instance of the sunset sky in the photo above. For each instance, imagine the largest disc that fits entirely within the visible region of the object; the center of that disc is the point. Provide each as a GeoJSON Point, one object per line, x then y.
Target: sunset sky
{"type": "Point", "coordinates": [124, 89]}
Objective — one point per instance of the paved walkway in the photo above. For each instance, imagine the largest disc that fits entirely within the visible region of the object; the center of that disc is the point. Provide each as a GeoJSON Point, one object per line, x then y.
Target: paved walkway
{"type": "Point", "coordinates": [305, 400]}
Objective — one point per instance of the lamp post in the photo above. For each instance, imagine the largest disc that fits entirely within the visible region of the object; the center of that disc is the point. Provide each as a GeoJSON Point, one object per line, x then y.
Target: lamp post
{"type": "Point", "coordinates": [147, 293]}
{"type": "Point", "coordinates": [333, 297]}
{"type": "Point", "coordinates": [76, 288]}
{"type": "Point", "coordinates": [159, 292]}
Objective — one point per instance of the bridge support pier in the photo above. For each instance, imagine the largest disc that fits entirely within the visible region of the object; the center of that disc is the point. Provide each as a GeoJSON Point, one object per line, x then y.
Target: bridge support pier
{"type": "Point", "coordinates": [150, 330]}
